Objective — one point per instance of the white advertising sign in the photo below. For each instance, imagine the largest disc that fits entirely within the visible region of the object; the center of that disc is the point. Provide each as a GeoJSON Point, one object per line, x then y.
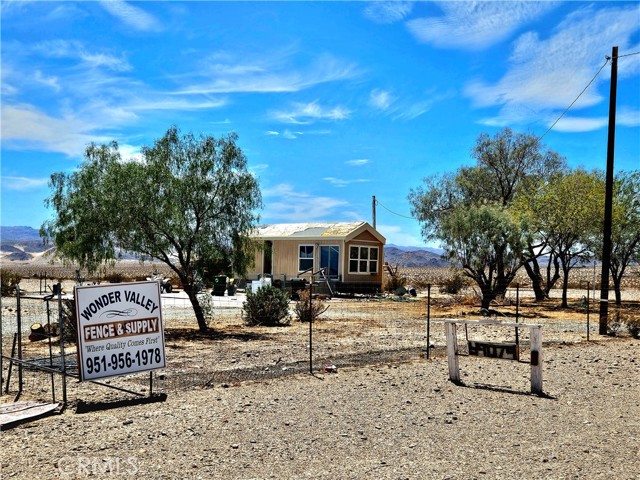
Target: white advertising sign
{"type": "Point", "coordinates": [119, 329]}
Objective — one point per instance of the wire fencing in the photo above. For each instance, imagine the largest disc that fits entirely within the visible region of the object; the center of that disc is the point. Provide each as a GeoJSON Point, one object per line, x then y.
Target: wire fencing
{"type": "Point", "coordinates": [352, 332]}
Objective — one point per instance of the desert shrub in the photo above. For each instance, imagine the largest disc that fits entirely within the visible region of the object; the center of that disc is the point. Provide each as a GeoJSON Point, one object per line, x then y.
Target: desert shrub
{"type": "Point", "coordinates": [69, 321]}
{"type": "Point", "coordinates": [393, 283]}
{"type": "Point", "coordinates": [268, 306]}
{"type": "Point", "coordinates": [633, 326]}
{"type": "Point", "coordinates": [454, 282]}
{"type": "Point", "coordinates": [305, 309]}
{"type": "Point", "coordinates": [114, 277]}
{"type": "Point", "coordinates": [10, 281]}
{"type": "Point", "coordinates": [206, 304]}
{"type": "Point", "coordinates": [614, 324]}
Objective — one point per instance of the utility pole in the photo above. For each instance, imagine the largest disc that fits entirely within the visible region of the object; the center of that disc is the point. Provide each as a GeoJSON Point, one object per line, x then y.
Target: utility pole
{"type": "Point", "coordinates": [373, 211]}
{"type": "Point", "coordinates": [608, 201]}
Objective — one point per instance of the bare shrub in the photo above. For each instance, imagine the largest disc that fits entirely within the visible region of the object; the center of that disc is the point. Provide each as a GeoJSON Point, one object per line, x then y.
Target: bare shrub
{"type": "Point", "coordinates": [10, 281]}
{"type": "Point", "coordinates": [454, 283]}
{"type": "Point", "coordinates": [305, 309]}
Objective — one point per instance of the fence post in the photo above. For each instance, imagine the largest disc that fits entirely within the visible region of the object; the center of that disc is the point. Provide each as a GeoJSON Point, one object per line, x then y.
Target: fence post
{"type": "Point", "coordinates": [452, 351]}
{"type": "Point", "coordinates": [63, 367]}
{"type": "Point", "coordinates": [19, 332]}
{"type": "Point", "coordinates": [1, 350]}
{"type": "Point", "coordinates": [428, 320]}
{"type": "Point", "coordinates": [536, 360]}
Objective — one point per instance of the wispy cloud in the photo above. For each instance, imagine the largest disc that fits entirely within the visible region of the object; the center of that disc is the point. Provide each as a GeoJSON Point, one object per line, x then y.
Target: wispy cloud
{"type": "Point", "coordinates": [381, 99]}
{"type": "Point", "coordinates": [388, 12]}
{"type": "Point", "coordinates": [26, 127]}
{"type": "Point", "coordinates": [76, 50]}
{"type": "Point", "coordinates": [269, 75]}
{"type": "Point", "coordinates": [545, 75]}
{"type": "Point", "coordinates": [52, 82]}
{"type": "Point", "coordinates": [23, 183]}
{"type": "Point", "coordinates": [360, 162]}
{"type": "Point", "coordinates": [285, 204]}
{"type": "Point", "coordinates": [476, 25]}
{"type": "Point", "coordinates": [305, 113]}
{"type": "Point", "coordinates": [131, 16]}
{"type": "Point", "coordinates": [342, 182]}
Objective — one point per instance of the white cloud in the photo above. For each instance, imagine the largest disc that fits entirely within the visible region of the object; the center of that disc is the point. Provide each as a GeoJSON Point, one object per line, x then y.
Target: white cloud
{"type": "Point", "coordinates": [289, 135]}
{"type": "Point", "coordinates": [358, 162]}
{"type": "Point", "coordinates": [398, 235]}
{"type": "Point", "coordinates": [23, 183]}
{"type": "Point", "coordinates": [130, 15]}
{"type": "Point", "coordinates": [546, 74]}
{"type": "Point", "coordinates": [388, 12]}
{"type": "Point", "coordinates": [51, 82]}
{"type": "Point", "coordinates": [270, 75]}
{"type": "Point", "coordinates": [26, 127]}
{"type": "Point", "coordinates": [88, 56]}
{"type": "Point", "coordinates": [476, 25]}
{"type": "Point", "coordinates": [272, 133]}
{"type": "Point", "coordinates": [284, 204]}
{"type": "Point", "coordinates": [341, 182]}
{"type": "Point", "coordinates": [380, 99]}
{"type": "Point", "coordinates": [304, 113]}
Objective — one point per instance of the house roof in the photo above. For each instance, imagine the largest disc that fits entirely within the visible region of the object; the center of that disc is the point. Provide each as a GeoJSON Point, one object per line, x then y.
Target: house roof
{"type": "Point", "coordinates": [340, 230]}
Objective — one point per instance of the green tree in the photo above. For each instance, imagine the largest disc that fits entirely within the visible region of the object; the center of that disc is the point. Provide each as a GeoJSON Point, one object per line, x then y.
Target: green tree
{"type": "Point", "coordinates": [189, 202]}
{"type": "Point", "coordinates": [625, 228]}
{"type": "Point", "coordinates": [567, 212]}
{"type": "Point", "coordinates": [471, 211]}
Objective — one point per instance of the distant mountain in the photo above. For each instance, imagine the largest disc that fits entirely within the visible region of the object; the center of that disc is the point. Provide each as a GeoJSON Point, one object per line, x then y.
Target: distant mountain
{"type": "Point", "coordinates": [18, 234]}
{"type": "Point", "coordinates": [20, 244]}
{"type": "Point", "coordinates": [437, 251]}
{"type": "Point", "coordinates": [419, 257]}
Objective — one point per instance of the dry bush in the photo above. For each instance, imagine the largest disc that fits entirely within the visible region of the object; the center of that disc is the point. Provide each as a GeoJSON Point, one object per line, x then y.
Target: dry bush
{"type": "Point", "coordinates": [306, 309]}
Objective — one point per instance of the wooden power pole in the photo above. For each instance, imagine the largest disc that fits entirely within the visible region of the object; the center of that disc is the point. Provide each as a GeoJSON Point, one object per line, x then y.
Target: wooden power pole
{"type": "Point", "coordinates": [608, 202]}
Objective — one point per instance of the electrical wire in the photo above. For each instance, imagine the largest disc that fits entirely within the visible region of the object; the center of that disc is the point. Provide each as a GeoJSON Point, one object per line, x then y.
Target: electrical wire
{"type": "Point", "coordinates": [390, 211]}
{"type": "Point", "coordinates": [585, 89]}
{"type": "Point", "coordinates": [628, 54]}
{"type": "Point", "coordinates": [576, 99]}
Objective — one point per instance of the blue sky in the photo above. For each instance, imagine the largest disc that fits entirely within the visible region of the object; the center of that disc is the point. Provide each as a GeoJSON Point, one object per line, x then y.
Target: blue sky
{"type": "Point", "coordinates": [333, 102]}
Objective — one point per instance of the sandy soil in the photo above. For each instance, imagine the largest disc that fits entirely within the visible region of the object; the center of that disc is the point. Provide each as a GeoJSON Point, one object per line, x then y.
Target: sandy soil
{"type": "Point", "coordinates": [396, 421]}
{"type": "Point", "coordinates": [390, 419]}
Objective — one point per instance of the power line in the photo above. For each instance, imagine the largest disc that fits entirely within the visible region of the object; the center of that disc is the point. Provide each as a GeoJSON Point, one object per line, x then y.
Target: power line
{"type": "Point", "coordinates": [391, 211]}
{"type": "Point", "coordinates": [628, 54]}
{"type": "Point", "coordinates": [576, 99]}
{"type": "Point", "coordinates": [585, 89]}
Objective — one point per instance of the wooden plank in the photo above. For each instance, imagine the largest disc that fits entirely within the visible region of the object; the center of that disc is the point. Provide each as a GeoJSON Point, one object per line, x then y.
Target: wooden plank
{"type": "Point", "coordinates": [505, 351]}
{"type": "Point", "coordinates": [13, 414]}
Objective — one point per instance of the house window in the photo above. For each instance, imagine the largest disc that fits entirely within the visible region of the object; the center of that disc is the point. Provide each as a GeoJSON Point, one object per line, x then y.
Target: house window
{"type": "Point", "coordinates": [363, 259]}
{"type": "Point", "coordinates": [305, 257]}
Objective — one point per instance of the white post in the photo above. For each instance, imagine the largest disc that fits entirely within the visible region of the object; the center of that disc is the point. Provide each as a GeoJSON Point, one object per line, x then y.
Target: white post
{"type": "Point", "coordinates": [452, 351]}
{"type": "Point", "coordinates": [536, 360]}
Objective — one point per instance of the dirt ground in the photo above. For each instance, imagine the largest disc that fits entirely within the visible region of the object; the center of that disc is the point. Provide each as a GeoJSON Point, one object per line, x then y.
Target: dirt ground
{"type": "Point", "coordinates": [240, 403]}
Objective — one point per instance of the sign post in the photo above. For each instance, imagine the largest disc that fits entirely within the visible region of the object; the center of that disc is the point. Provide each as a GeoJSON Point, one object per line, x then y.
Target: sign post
{"type": "Point", "coordinates": [119, 329]}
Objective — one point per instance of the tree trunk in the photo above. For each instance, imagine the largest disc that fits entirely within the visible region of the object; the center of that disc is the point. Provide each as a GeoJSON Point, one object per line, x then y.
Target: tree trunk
{"type": "Point", "coordinates": [551, 281]}
{"type": "Point", "coordinates": [192, 293]}
{"type": "Point", "coordinates": [565, 286]}
{"type": "Point", "coordinates": [616, 286]}
{"type": "Point", "coordinates": [536, 279]}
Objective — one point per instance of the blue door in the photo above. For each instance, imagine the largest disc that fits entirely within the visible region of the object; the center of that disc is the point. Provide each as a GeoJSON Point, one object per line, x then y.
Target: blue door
{"type": "Point", "coordinates": [330, 259]}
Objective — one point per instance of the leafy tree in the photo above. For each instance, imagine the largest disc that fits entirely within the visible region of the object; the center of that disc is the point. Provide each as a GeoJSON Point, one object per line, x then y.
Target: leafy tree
{"type": "Point", "coordinates": [568, 212]}
{"type": "Point", "coordinates": [625, 228]}
{"type": "Point", "coordinates": [471, 211]}
{"type": "Point", "coordinates": [189, 202]}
